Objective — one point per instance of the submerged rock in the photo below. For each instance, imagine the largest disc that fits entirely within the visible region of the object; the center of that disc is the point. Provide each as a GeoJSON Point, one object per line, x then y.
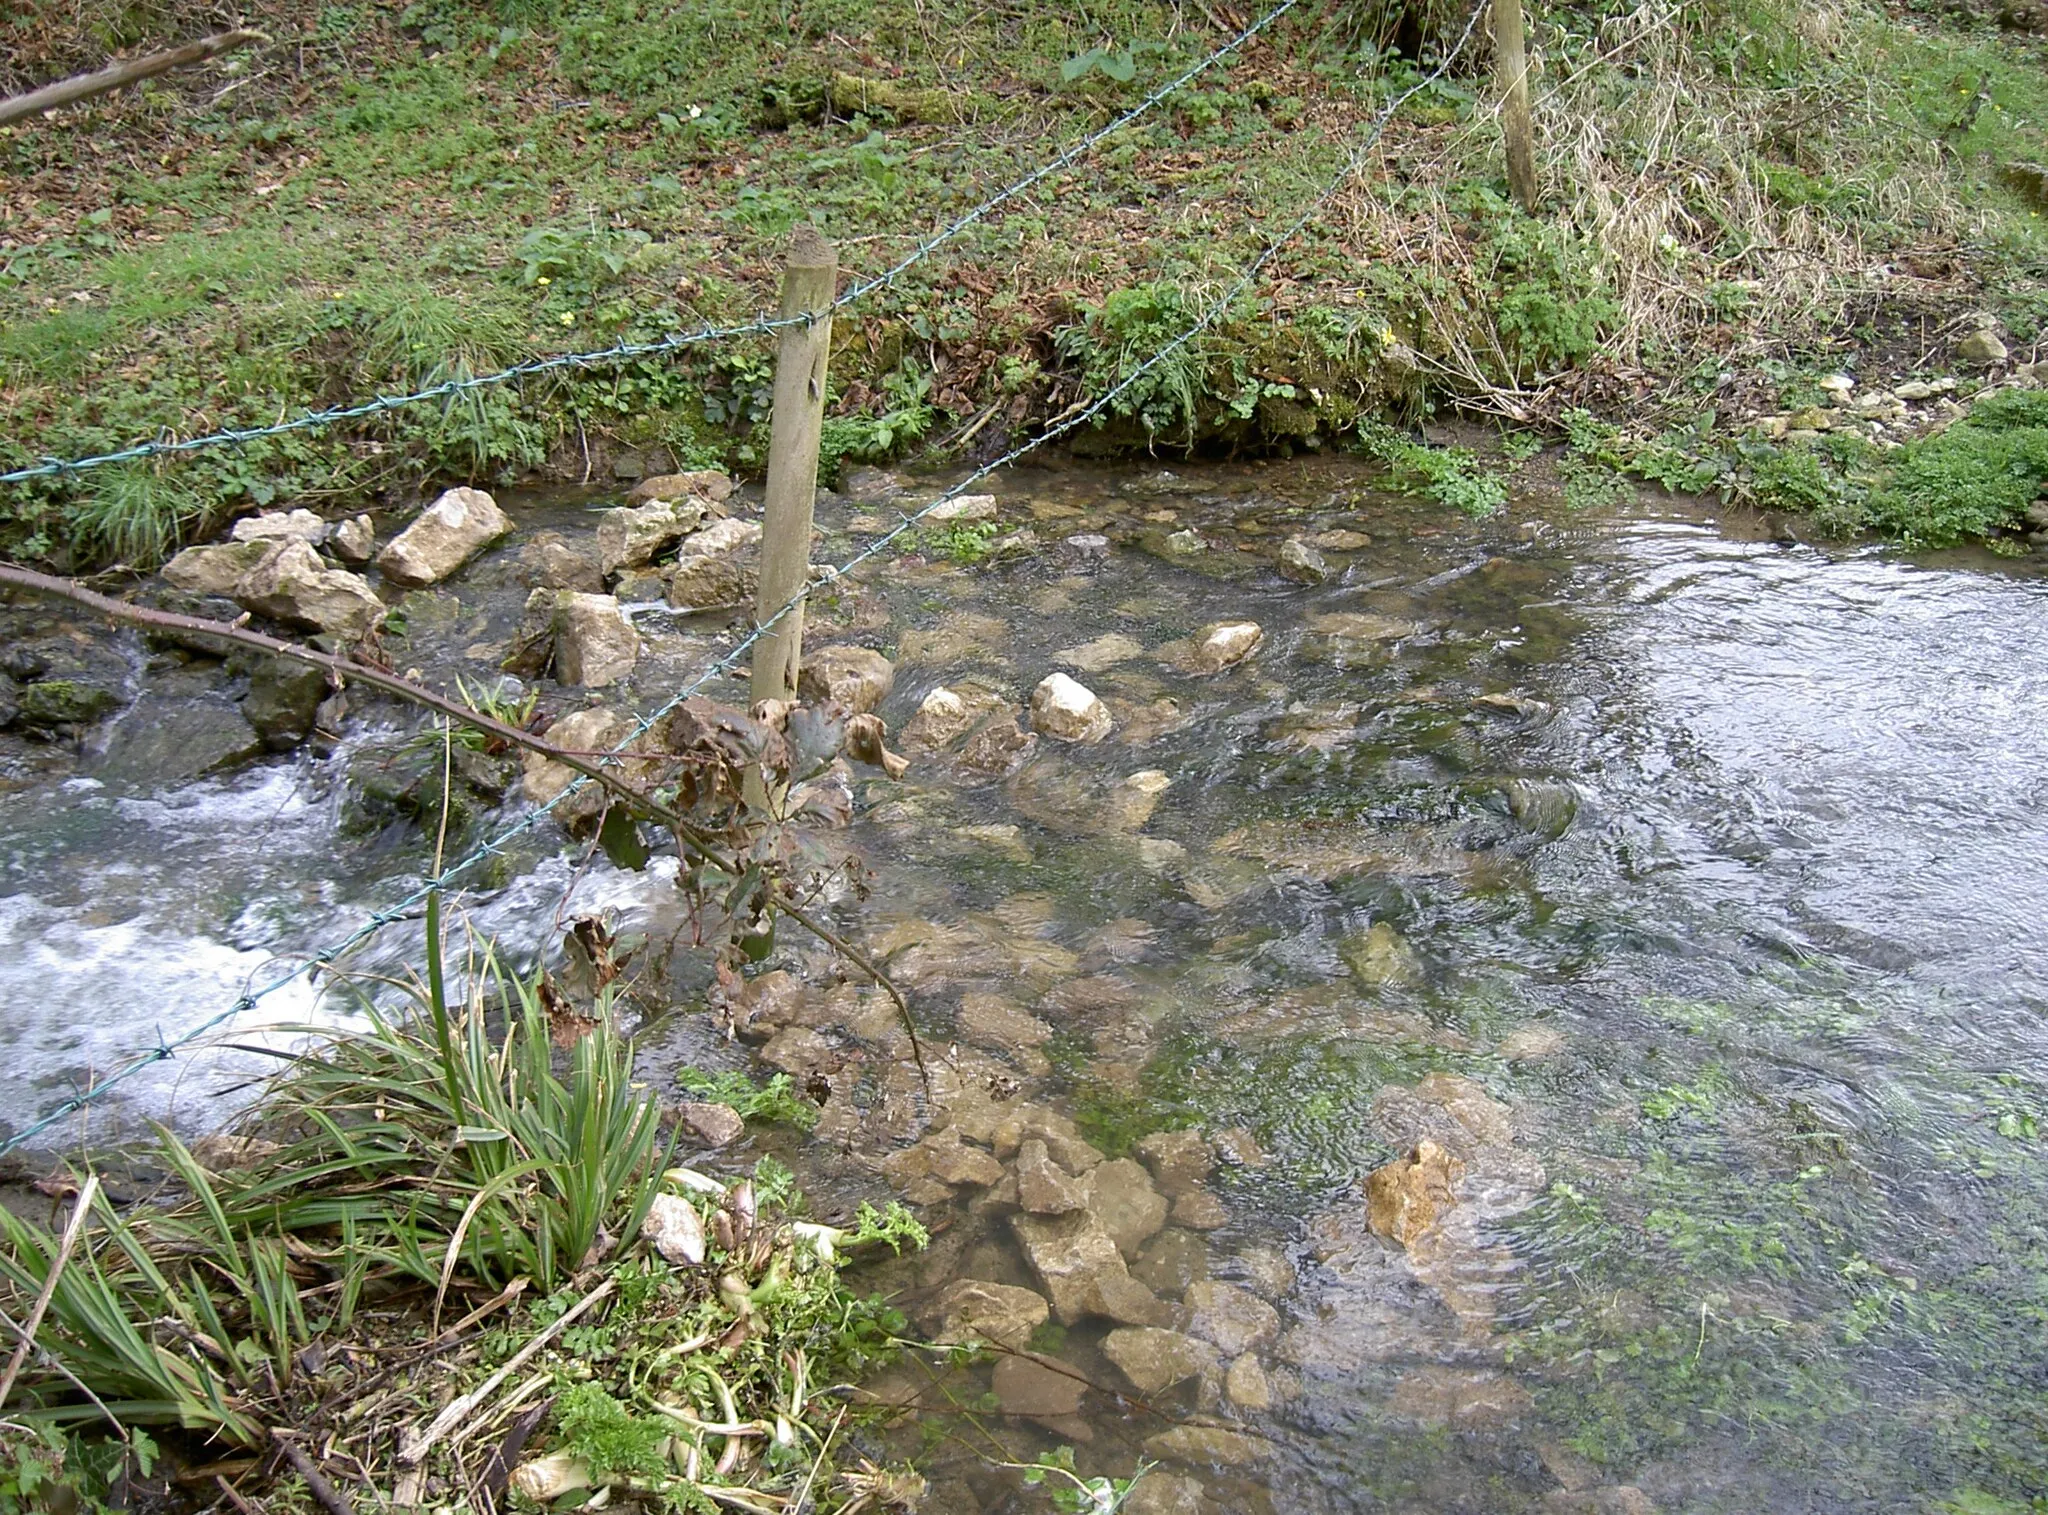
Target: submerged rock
{"type": "Point", "coordinates": [966, 507]}
{"type": "Point", "coordinates": [1036, 1388]}
{"type": "Point", "coordinates": [1172, 1260]}
{"type": "Point", "coordinates": [1154, 1360]}
{"type": "Point", "coordinates": [283, 701]}
{"type": "Point", "coordinates": [1068, 711]}
{"type": "Point", "coordinates": [1104, 652]}
{"type": "Point", "coordinates": [856, 677]}
{"type": "Point", "coordinates": [1082, 1272]}
{"type": "Point", "coordinates": [1302, 563]}
{"type": "Point", "coordinates": [163, 742]}
{"type": "Point", "coordinates": [291, 584]}
{"type": "Point", "coordinates": [557, 565]}
{"type": "Point", "coordinates": [1235, 1320]}
{"type": "Point", "coordinates": [1043, 1187]}
{"type": "Point", "coordinates": [1224, 645]}
{"type": "Point", "coordinates": [1379, 956]}
{"type": "Point", "coordinates": [970, 1310]}
{"type": "Point", "coordinates": [1407, 1198]}
{"type": "Point", "coordinates": [1165, 1494]}
{"type": "Point", "coordinates": [1207, 1446]}
{"type": "Point", "coordinates": [447, 534]}
{"type": "Point", "coordinates": [1246, 1386]}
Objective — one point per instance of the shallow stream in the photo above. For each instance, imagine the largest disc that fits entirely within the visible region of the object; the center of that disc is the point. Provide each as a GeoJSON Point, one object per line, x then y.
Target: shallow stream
{"type": "Point", "coordinates": [1686, 888]}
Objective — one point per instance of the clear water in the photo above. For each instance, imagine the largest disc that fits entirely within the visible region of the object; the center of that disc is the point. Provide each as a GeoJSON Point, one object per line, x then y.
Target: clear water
{"type": "Point", "coordinates": [1719, 867]}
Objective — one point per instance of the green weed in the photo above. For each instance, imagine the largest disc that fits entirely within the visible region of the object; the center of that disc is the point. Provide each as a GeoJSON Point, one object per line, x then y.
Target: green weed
{"type": "Point", "coordinates": [1448, 475]}
{"type": "Point", "coordinates": [776, 1102]}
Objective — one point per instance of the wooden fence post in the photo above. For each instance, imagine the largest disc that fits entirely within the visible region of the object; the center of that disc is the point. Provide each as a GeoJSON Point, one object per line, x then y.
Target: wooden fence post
{"type": "Point", "coordinates": [1511, 69]}
{"type": "Point", "coordinates": [808, 281]}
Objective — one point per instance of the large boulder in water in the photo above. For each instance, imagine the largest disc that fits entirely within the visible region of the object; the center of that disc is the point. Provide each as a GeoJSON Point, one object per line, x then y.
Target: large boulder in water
{"type": "Point", "coordinates": [164, 741]}
{"type": "Point", "coordinates": [636, 535]}
{"type": "Point", "coordinates": [284, 697]}
{"type": "Point", "coordinates": [1068, 711]}
{"type": "Point", "coordinates": [217, 568]}
{"type": "Point", "coordinates": [292, 585]}
{"type": "Point", "coordinates": [448, 533]}
{"type": "Point", "coordinates": [595, 644]}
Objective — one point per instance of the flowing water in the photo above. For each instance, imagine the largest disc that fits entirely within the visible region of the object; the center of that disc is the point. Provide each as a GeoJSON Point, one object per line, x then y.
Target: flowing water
{"type": "Point", "coordinates": [1684, 887]}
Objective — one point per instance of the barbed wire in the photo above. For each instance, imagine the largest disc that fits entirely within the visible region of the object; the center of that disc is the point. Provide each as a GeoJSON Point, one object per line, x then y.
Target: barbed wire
{"type": "Point", "coordinates": [908, 522]}
{"type": "Point", "coordinates": [623, 352]}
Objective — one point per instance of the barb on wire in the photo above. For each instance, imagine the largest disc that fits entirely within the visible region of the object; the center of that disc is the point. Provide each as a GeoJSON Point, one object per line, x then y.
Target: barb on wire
{"type": "Point", "coordinates": [724, 663]}
{"type": "Point", "coordinates": [627, 351]}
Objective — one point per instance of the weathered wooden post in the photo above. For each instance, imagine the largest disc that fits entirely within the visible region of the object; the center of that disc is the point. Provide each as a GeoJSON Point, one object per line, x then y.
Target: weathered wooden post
{"type": "Point", "coordinates": [808, 280]}
{"type": "Point", "coordinates": [1511, 70]}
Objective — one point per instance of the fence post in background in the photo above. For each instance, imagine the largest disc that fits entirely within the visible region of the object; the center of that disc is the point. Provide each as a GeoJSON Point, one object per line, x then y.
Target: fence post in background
{"type": "Point", "coordinates": [808, 280]}
{"type": "Point", "coordinates": [1511, 70]}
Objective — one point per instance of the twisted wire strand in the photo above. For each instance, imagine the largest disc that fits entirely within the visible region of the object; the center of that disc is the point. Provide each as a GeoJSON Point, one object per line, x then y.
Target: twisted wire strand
{"type": "Point", "coordinates": [627, 351]}
{"type": "Point", "coordinates": [874, 549]}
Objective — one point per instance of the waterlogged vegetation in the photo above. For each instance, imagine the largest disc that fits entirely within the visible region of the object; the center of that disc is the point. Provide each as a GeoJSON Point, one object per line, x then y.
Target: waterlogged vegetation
{"type": "Point", "coordinates": [389, 199]}
{"type": "Point", "coordinates": [446, 1205]}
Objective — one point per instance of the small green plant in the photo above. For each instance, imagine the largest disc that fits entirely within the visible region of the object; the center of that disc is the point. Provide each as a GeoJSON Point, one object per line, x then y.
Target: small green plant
{"type": "Point", "coordinates": [1975, 479]}
{"type": "Point", "coordinates": [1073, 1494]}
{"type": "Point", "coordinates": [1449, 475]}
{"type": "Point", "coordinates": [965, 542]}
{"type": "Point", "coordinates": [1113, 342]}
{"type": "Point", "coordinates": [607, 1436]}
{"type": "Point", "coordinates": [776, 1101]}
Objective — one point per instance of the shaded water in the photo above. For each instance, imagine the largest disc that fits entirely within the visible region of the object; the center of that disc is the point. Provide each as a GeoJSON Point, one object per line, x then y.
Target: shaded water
{"type": "Point", "coordinates": [1713, 871]}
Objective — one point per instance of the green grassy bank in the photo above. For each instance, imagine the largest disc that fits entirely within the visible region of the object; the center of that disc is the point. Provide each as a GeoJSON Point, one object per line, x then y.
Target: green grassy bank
{"type": "Point", "coordinates": [1742, 197]}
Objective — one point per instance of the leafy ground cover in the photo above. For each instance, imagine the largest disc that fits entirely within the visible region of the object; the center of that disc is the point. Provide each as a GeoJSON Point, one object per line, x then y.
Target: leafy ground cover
{"type": "Point", "coordinates": [1743, 195]}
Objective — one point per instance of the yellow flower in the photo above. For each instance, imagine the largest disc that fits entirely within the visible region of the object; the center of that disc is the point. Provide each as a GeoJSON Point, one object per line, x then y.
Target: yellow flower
{"type": "Point", "coordinates": [543, 281]}
{"type": "Point", "coordinates": [568, 319]}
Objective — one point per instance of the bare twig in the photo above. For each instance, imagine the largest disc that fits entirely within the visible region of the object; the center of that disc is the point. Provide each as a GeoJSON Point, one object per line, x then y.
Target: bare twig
{"type": "Point", "coordinates": [79, 1211]}
{"type": "Point", "coordinates": [330, 1498]}
{"type": "Point", "coordinates": [414, 1450]}
{"type": "Point", "coordinates": [84, 86]}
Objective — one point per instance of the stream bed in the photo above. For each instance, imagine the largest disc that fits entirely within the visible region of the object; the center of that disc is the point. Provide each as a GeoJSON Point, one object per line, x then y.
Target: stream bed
{"type": "Point", "coordinates": [1680, 889]}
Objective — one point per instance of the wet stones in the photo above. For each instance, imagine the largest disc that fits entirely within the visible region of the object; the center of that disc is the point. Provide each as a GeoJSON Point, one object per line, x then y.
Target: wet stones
{"type": "Point", "coordinates": [719, 567]}
{"type": "Point", "coordinates": [1301, 563]}
{"type": "Point", "coordinates": [634, 536]}
{"type": "Point", "coordinates": [989, 1020]}
{"type": "Point", "coordinates": [1154, 1360]}
{"type": "Point", "coordinates": [1224, 645]}
{"type": "Point", "coordinates": [711, 1124]}
{"type": "Point", "coordinates": [163, 741]}
{"type": "Point", "coordinates": [964, 508]}
{"type": "Point", "coordinates": [1068, 711]}
{"type": "Point", "coordinates": [1120, 1198]}
{"type": "Point", "coordinates": [554, 564]}
{"type": "Point", "coordinates": [595, 644]}
{"type": "Point", "coordinates": [448, 533]}
{"type": "Point", "coordinates": [1104, 652]}
{"type": "Point", "coordinates": [855, 677]}
{"type": "Point", "coordinates": [1043, 1187]}
{"type": "Point", "coordinates": [1407, 1198]}
{"type": "Point", "coordinates": [1083, 1274]}
{"type": "Point", "coordinates": [283, 701]}
{"type": "Point", "coordinates": [1233, 1320]}
{"type": "Point", "coordinates": [1379, 957]}
{"type": "Point", "coordinates": [944, 1159]}
{"type": "Point", "coordinates": [970, 1310]}
{"type": "Point", "coordinates": [595, 729]}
